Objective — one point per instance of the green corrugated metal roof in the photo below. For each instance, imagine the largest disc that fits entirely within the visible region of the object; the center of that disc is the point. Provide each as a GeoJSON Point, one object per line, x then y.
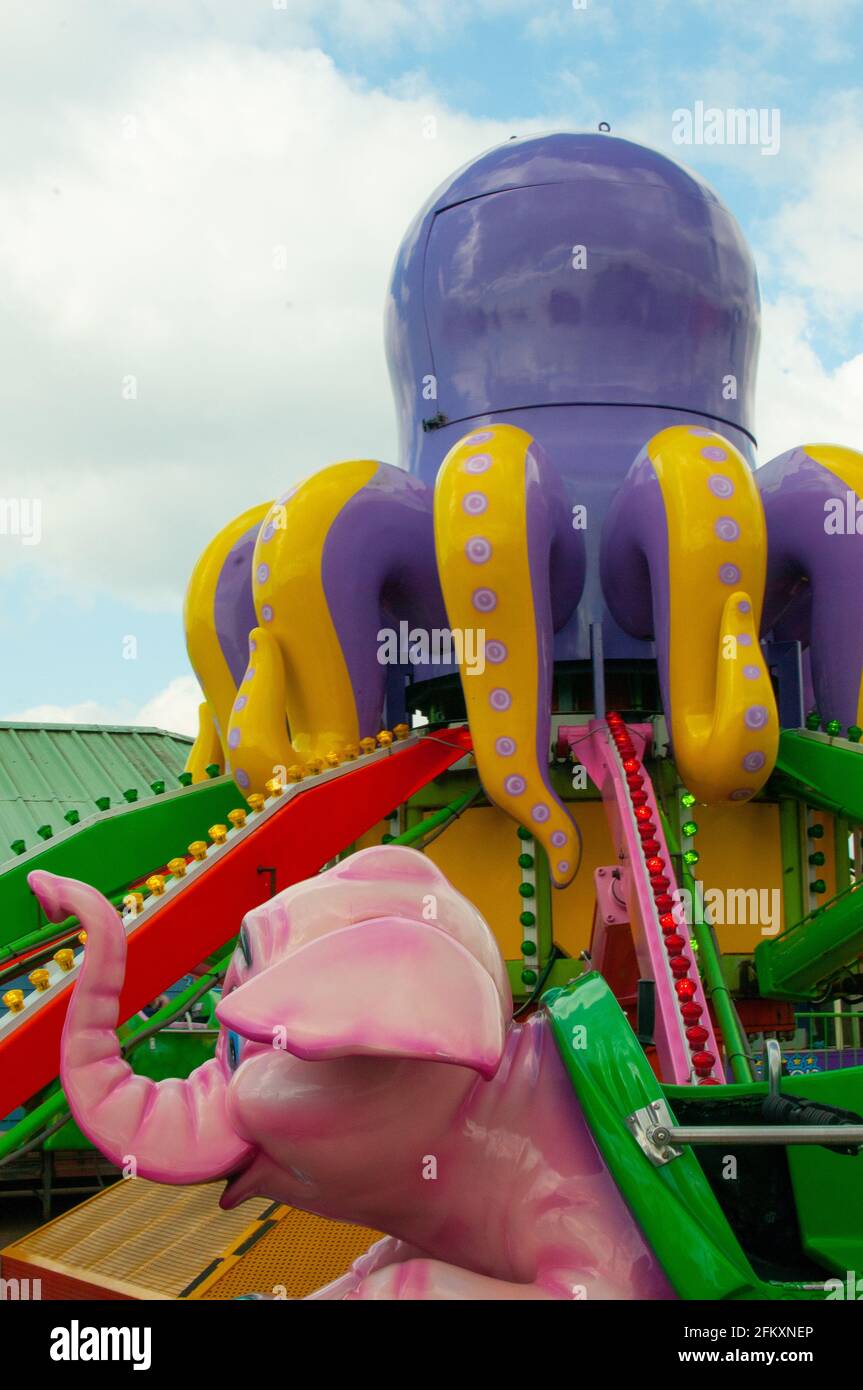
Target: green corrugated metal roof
{"type": "Point", "coordinates": [48, 769]}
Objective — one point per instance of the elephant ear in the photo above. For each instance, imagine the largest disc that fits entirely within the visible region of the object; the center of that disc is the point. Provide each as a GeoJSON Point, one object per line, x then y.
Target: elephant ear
{"type": "Point", "coordinates": [386, 987]}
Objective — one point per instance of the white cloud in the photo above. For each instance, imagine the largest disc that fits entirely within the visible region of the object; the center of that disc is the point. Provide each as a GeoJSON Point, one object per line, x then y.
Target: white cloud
{"type": "Point", "coordinates": [153, 253]}
{"type": "Point", "coordinates": [815, 238]}
{"type": "Point", "coordinates": [800, 401]}
{"type": "Point", "coordinates": [175, 709]}
{"type": "Point", "coordinates": [140, 221]}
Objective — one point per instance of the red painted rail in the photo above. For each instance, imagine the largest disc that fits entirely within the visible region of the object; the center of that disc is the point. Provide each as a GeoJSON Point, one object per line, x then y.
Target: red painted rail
{"type": "Point", "coordinates": [313, 825]}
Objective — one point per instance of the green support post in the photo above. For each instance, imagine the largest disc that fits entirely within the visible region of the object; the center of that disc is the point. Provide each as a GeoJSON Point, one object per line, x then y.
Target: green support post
{"type": "Point", "coordinates": [792, 874]}
{"type": "Point", "coordinates": [841, 835]}
{"type": "Point", "coordinates": [422, 827]}
{"type": "Point", "coordinates": [710, 964]}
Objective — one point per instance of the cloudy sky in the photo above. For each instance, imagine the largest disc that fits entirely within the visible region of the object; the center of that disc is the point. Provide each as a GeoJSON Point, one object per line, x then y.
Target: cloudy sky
{"type": "Point", "coordinates": [155, 152]}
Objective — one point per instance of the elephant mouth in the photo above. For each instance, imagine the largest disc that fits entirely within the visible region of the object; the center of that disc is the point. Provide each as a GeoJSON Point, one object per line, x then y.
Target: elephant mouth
{"type": "Point", "coordinates": [239, 1184]}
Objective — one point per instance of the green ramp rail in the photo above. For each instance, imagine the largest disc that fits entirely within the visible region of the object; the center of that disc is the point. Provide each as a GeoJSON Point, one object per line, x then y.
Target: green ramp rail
{"type": "Point", "coordinates": [826, 772]}
{"type": "Point", "coordinates": [110, 850]}
{"type": "Point", "coordinates": [796, 964]}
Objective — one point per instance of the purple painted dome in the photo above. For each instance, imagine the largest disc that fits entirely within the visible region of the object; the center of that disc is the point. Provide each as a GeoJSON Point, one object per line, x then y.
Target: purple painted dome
{"type": "Point", "coordinates": [493, 306]}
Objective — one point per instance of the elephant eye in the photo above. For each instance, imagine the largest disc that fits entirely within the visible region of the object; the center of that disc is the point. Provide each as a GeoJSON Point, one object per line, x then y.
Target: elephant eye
{"type": "Point", "coordinates": [233, 1051]}
{"type": "Point", "coordinates": [245, 944]}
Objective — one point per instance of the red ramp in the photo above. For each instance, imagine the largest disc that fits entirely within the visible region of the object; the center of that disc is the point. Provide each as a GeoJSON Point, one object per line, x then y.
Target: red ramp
{"type": "Point", "coordinates": [290, 839]}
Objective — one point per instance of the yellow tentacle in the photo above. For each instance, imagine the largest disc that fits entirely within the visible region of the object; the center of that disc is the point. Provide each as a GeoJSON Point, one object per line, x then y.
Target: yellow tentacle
{"type": "Point", "coordinates": [291, 604]}
{"type": "Point", "coordinates": [258, 744]}
{"type": "Point", "coordinates": [481, 537]}
{"type": "Point", "coordinates": [207, 749]}
{"type": "Point", "coordinates": [724, 723]}
{"type": "Point", "coordinates": [202, 642]}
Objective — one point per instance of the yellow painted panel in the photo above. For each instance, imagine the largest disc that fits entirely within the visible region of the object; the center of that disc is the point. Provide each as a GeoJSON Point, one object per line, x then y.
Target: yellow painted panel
{"type": "Point", "coordinates": [572, 907]}
{"type": "Point", "coordinates": [740, 851]}
{"type": "Point", "coordinates": [479, 855]}
{"type": "Point", "coordinates": [296, 1255]}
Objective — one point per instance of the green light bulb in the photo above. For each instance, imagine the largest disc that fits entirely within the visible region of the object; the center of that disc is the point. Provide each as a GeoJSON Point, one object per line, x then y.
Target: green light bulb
{"type": "Point", "coordinates": [687, 799]}
{"type": "Point", "coordinates": [689, 827]}
{"type": "Point", "coordinates": [691, 856]}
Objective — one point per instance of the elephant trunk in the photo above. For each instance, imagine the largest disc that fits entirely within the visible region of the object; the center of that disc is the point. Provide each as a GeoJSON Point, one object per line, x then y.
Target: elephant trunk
{"type": "Point", "coordinates": [173, 1131]}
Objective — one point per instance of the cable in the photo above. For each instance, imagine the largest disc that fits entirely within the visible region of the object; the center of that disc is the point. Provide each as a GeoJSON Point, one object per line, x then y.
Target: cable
{"type": "Point", "coordinates": [447, 823]}
{"type": "Point", "coordinates": [555, 954]}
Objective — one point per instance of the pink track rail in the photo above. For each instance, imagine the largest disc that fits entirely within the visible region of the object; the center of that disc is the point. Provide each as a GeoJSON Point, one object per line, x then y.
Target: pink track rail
{"type": "Point", "coordinates": [685, 1041]}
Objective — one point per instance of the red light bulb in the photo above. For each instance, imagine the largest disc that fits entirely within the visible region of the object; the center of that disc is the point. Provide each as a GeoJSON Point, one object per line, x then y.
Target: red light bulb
{"type": "Point", "coordinates": [703, 1062]}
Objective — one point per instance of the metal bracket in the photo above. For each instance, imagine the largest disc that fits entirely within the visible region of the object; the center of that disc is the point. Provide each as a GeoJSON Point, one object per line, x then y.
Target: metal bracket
{"type": "Point", "coordinates": [657, 1135]}
{"type": "Point", "coordinates": [773, 1053]}
{"type": "Point", "coordinates": [651, 1129]}
{"type": "Point", "coordinates": [271, 874]}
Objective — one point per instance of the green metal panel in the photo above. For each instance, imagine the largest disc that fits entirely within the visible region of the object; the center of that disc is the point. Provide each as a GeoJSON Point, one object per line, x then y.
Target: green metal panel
{"type": "Point", "coordinates": [826, 772]}
{"type": "Point", "coordinates": [673, 1204]}
{"type": "Point", "coordinates": [49, 769]}
{"type": "Point", "coordinates": [828, 1187]}
{"type": "Point", "coordinates": [113, 849]}
{"type": "Point", "coordinates": [795, 964]}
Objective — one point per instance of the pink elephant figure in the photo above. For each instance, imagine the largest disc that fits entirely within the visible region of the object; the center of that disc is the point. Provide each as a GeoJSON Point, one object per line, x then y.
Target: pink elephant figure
{"type": "Point", "coordinates": [369, 1070]}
